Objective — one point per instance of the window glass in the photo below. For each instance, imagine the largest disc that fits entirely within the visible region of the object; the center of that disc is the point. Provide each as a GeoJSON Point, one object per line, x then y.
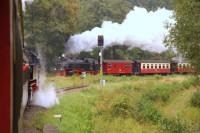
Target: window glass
{"type": "Point", "coordinates": [159, 65]}
{"type": "Point", "coordinates": [144, 66]}
{"type": "Point", "coordinates": [156, 66]}
{"type": "Point", "coordinates": [163, 66]}
{"type": "Point", "coordinates": [180, 66]}
{"type": "Point", "coordinates": [151, 65]}
{"type": "Point", "coordinates": [167, 66]}
{"type": "Point", "coordinates": [147, 66]}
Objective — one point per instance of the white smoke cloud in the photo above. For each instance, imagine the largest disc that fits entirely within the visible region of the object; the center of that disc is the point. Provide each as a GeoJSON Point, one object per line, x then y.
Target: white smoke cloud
{"type": "Point", "coordinates": [139, 29]}
{"type": "Point", "coordinates": [45, 97]}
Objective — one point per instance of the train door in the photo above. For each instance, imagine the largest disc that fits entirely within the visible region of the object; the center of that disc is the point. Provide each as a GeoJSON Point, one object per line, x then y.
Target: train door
{"type": "Point", "coordinates": [136, 67]}
{"type": "Point", "coordinates": [174, 67]}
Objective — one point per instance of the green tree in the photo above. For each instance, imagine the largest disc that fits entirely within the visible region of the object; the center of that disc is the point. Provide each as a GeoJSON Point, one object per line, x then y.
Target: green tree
{"type": "Point", "coordinates": [94, 12]}
{"type": "Point", "coordinates": [48, 25]}
{"type": "Point", "coordinates": [185, 34]}
{"type": "Point", "coordinates": [153, 4]}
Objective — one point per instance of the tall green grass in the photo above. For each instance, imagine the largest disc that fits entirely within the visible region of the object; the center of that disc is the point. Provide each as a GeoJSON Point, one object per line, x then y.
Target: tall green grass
{"type": "Point", "coordinates": [126, 104]}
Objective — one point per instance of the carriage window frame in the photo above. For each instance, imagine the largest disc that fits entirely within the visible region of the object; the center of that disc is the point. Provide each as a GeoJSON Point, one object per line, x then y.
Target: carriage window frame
{"type": "Point", "coordinates": [156, 66]}
{"type": "Point", "coordinates": [152, 66]}
{"type": "Point", "coordinates": [167, 66]}
{"type": "Point", "coordinates": [143, 66]}
{"type": "Point", "coordinates": [163, 66]}
{"type": "Point", "coordinates": [148, 66]}
{"type": "Point", "coordinates": [159, 66]}
{"type": "Point", "coordinates": [184, 66]}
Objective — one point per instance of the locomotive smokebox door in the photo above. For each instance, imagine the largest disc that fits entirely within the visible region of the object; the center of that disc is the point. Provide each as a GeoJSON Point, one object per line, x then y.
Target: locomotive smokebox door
{"type": "Point", "coordinates": [100, 40]}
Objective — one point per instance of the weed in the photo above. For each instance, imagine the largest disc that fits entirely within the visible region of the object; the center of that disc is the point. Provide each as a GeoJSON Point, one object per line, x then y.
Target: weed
{"type": "Point", "coordinates": [195, 100]}
{"type": "Point", "coordinates": [145, 111]}
{"type": "Point", "coordinates": [121, 107]}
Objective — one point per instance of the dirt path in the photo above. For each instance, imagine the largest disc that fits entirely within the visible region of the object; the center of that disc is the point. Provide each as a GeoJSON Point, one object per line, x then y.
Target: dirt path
{"type": "Point", "coordinates": [178, 103]}
{"type": "Point", "coordinates": [29, 115]}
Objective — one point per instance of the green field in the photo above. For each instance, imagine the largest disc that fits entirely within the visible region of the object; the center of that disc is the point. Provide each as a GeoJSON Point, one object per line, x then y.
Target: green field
{"type": "Point", "coordinates": [127, 104]}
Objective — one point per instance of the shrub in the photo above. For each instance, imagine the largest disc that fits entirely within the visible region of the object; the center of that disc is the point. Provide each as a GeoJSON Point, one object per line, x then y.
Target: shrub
{"type": "Point", "coordinates": [158, 94]}
{"type": "Point", "coordinates": [195, 100]}
{"type": "Point", "coordinates": [174, 126]}
{"type": "Point", "coordinates": [145, 110]}
{"type": "Point", "coordinates": [121, 107]}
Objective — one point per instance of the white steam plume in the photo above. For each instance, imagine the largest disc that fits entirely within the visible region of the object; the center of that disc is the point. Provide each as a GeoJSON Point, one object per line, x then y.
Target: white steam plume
{"type": "Point", "coordinates": [140, 29]}
{"type": "Point", "coordinates": [45, 97]}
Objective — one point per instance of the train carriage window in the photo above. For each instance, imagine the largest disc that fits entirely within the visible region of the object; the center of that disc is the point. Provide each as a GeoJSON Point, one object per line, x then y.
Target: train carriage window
{"type": "Point", "coordinates": [156, 66]}
{"type": "Point", "coordinates": [180, 66]}
{"type": "Point", "coordinates": [184, 66]}
{"type": "Point", "coordinates": [163, 66]}
{"type": "Point", "coordinates": [144, 66]}
{"type": "Point", "coordinates": [159, 65]}
{"type": "Point", "coordinates": [167, 66]}
{"type": "Point", "coordinates": [152, 66]}
{"type": "Point", "coordinates": [147, 66]}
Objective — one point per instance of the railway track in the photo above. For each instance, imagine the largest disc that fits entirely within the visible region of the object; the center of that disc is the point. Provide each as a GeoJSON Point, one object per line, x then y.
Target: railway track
{"type": "Point", "coordinates": [70, 89]}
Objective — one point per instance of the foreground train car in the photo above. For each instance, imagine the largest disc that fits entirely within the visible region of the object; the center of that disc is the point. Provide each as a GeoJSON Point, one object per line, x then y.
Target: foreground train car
{"type": "Point", "coordinates": [11, 65]}
{"type": "Point", "coordinates": [16, 71]}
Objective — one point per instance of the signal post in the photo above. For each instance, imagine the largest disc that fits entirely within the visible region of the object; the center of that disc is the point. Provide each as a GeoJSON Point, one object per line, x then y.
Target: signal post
{"type": "Point", "coordinates": [100, 45]}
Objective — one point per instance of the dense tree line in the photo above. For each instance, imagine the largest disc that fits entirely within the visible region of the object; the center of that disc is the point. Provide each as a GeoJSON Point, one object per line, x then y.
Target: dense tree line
{"type": "Point", "coordinates": [125, 52]}
{"type": "Point", "coordinates": [153, 4]}
{"type": "Point", "coordinates": [185, 34]}
{"type": "Point", "coordinates": [48, 24]}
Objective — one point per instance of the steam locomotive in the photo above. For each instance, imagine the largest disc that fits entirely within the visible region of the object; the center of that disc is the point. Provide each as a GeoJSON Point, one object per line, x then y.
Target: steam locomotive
{"type": "Point", "coordinates": [125, 67]}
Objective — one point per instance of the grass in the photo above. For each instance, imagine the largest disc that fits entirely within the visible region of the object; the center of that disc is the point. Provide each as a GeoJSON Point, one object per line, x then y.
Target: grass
{"type": "Point", "coordinates": [127, 104]}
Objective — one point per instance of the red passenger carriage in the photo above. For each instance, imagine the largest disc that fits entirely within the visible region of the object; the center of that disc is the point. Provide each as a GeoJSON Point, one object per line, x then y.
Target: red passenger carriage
{"type": "Point", "coordinates": [118, 67]}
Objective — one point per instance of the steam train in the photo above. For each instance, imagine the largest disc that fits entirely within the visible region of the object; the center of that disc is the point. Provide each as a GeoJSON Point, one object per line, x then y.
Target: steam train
{"type": "Point", "coordinates": [18, 70]}
{"type": "Point", "coordinates": [125, 67]}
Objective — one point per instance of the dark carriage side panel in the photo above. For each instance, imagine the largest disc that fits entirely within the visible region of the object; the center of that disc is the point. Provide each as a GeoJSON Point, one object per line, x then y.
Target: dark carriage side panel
{"type": "Point", "coordinates": [17, 64]}
{"type": "Point", "coordinates": [5, 67]}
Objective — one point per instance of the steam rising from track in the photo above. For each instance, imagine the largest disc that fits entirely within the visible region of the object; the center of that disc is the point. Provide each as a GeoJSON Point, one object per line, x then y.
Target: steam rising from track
{"type": "Point", "coordinates": [45, 96]}
{"type": "Point", "coordinates": [139, 29]}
